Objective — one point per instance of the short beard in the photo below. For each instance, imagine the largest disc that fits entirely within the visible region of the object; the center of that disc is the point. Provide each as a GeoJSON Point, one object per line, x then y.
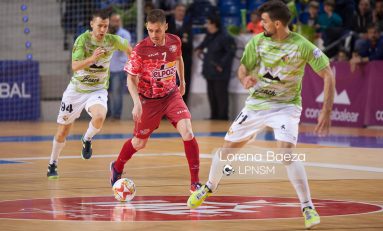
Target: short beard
{"type": "Point", "coordinates": [267, 34]}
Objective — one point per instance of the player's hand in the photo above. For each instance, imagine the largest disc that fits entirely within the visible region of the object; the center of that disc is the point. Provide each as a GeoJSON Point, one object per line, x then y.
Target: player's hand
{"type": "Point", "coordinates": [248, 81]}
{"type": "Point", "coordinates": [137, 112]}
{"type": "Point", "coordinates": [97, 53]}
{"type": "Point", "coordinates": [182, 88]}
{"type": "Point", "coordinates": [324, 123]}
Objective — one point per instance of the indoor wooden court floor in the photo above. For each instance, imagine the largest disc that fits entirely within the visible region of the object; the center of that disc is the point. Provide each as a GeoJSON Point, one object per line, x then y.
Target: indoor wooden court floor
{"type": "Point", "coordinates": [348, 188]}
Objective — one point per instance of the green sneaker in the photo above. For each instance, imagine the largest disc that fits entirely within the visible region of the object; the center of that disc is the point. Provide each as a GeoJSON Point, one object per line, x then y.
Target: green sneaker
{"type": "Point", "coordinates": [198, 197]}
{"type": "Point", "coordinates": [311, 217]}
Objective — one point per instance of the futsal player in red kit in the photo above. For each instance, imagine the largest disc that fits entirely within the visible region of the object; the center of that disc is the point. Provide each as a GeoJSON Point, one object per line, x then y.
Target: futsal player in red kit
{"type": "Point", "coordinates": [152, 69]}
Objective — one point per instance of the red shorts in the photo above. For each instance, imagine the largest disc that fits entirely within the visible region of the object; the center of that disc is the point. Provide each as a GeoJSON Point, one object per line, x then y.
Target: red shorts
{"type": "Point", "coordinates": [153, 110]}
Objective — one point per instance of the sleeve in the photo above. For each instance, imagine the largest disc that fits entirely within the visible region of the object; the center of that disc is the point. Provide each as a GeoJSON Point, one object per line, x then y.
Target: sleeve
{"type": "Point", "coordinates": [314, 56]}
{"type": "Point", "coordinates": [78, 52]}
{"type": "Point", "coordinates": [134, 65]}
{"type": "Point", "coordinates": [250, 56]}
{"type": "Point", "coordinates": [120, 43]}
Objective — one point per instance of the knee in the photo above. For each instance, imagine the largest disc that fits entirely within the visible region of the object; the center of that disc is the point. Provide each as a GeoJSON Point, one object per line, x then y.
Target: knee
{"type": "Point", "coordinates": [61, 136]}
{"type": "Point", "coordinates": [98, 117]}
{"type": "Point", "coordinates": [187, 135]}
{"type": "Point", "coordinates": [139, 143]}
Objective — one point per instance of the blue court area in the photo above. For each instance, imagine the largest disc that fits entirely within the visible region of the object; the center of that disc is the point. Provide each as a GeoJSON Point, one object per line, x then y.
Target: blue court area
{"type": "Point", "coordinates": [309, 138]}
{"type": "Point", "coordinates": [10, 162]}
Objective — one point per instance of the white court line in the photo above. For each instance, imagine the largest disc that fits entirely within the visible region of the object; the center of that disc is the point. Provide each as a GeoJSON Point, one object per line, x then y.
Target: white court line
{"type": "Point", "coordinates": [209, 156]}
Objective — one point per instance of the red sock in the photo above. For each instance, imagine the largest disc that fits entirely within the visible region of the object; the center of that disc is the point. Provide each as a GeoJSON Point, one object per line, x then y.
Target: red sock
{"type": "Point", "coordinates": [126, 153]}
{"type": "Point", "coordinates": [192, 155]}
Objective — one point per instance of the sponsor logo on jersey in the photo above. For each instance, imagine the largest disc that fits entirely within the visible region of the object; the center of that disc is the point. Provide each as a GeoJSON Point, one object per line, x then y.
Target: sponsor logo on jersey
{"type": "Point", "coordinates": [89, 79]}
{"type": "Point", "coordinates": [152, 55]}
{"type": "Point", "coordinates": [173, 48]}
{"type": "Point", "coordinates": [317, 53]}
{"type": "Point", "coordinates": [166, 72]}
{"type": "Point", "coordinates": [268, 76]}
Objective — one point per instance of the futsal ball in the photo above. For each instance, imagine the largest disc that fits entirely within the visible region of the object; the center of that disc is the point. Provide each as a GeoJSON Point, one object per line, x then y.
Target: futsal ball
{"type": "Point", "coordinates": [124, 190]}
{"type": "Point", "coordinates": [228, 170]}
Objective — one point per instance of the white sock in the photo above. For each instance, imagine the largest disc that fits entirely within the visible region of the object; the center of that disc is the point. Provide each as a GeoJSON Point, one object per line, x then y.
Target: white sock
{"type": "Point", "coordinates": [56, 150]}
{"type": "Point", "coordinates": [297, 175]}
{"type": "Point", "coordinates": [215, 173]}
{"type": "Point", "coordinates": [91, 132]}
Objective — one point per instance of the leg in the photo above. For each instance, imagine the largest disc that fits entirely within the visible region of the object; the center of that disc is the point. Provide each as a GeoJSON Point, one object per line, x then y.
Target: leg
{"type": "Point", "coordinates": [216, 167]}
{"type": "Point", "coordinates": [57, 147]}
{"type": "Point", "coordinates": [119, 95]}
{"type": "Point", "coordinates": [96, 106]}
{"type": "Point", "coordinates": [150, 120]}
{"type": "Point", "coordinates": [285, 124]}
{"type": "Point", "coordinates": [110, 95]}
{"type": "Point", "coordinates": [221, 95]}
{"type": "Point", "coordinates": [184, 127]}
{"type": "Point", "coordinates": [59, 142]}
{"type": "Point", "coordinates": [212, 103]}
{"type": "Point", "coordinates": [297, 176]}
{"type": "Point", "coordinates": [247, 124]}
{"type": "Point", "coordinates": [130, 147]}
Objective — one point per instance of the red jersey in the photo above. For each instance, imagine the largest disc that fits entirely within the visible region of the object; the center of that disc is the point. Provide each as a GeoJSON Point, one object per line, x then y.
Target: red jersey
{"type": "Point", "coordinates": [155, 66]}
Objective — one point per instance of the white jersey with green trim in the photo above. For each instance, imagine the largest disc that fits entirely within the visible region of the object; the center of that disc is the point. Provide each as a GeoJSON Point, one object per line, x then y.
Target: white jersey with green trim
{"type": "Point", "coordinates": [96, 76]}
{"type": "Point", "coordinates": [279, 67]}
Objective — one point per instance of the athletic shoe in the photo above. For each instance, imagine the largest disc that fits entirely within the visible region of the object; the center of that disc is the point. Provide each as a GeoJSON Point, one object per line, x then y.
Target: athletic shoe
{"type": "Point", "coordinates": [114, 175]}
{"type": "Point", "coordinates": [52, 171]}
{"type": "Point", "coordinates": [198, 197]}
{"type": "Point", "coordinates": [86, 152]}
{"type": "Point", "coordinates": [311, 217]}
{"type": "Point", "coordinates": [195, 186]}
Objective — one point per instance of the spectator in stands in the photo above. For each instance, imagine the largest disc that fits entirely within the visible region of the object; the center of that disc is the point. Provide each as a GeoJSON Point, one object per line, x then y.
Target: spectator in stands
{"type": "Point", "coordinates": [368, 49]}
{"type": "Point", "coordinates": [255, 25]}
{"type": "Point", "coordinates": [346, 8]}
{"type": "Point", "coordinates": [330, 26]}
{"type": "Point", "coordinates": [117, 81]}
{"type": "Point", "coordinates": [341, 56]}
{"type": "Point", "coordinates": [182, 27]}
{"type": "Point", "coordinates": [329, 19]}
{"type": "Point", "coordinates": [218, 50]}
{"type": "Point", "coordinates": [310, 17]}
{"type": "Point", "coordinates": [362, 17]}
{"type": "Point", "coordinates": [378, 15]}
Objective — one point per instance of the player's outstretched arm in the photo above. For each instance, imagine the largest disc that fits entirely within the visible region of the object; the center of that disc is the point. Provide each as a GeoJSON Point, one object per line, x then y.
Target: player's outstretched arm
{"type": "Point", "coordinates": [133, 90]}
{"type": "Point", "coordinates": [324, 119]}
{"type": "Point", "coordinates": [81, 64]}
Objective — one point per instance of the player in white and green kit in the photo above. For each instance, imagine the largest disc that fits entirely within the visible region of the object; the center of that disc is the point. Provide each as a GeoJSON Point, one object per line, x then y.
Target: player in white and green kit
{"type": "Point", "coordinates": [87, 89]}
{"type": "Point", "coordinates": [272, 69]}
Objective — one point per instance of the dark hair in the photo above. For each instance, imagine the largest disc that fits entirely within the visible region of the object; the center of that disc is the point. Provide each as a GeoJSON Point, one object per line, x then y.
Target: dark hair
{"type": "Point", "coordinates": [277, 10]}
{"type": "Point", "coordinates": [214, 19]}
{"type": "Point", "coordinates": [103, 14]}
{"type": "Point", "coordinates": [156, 15]}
